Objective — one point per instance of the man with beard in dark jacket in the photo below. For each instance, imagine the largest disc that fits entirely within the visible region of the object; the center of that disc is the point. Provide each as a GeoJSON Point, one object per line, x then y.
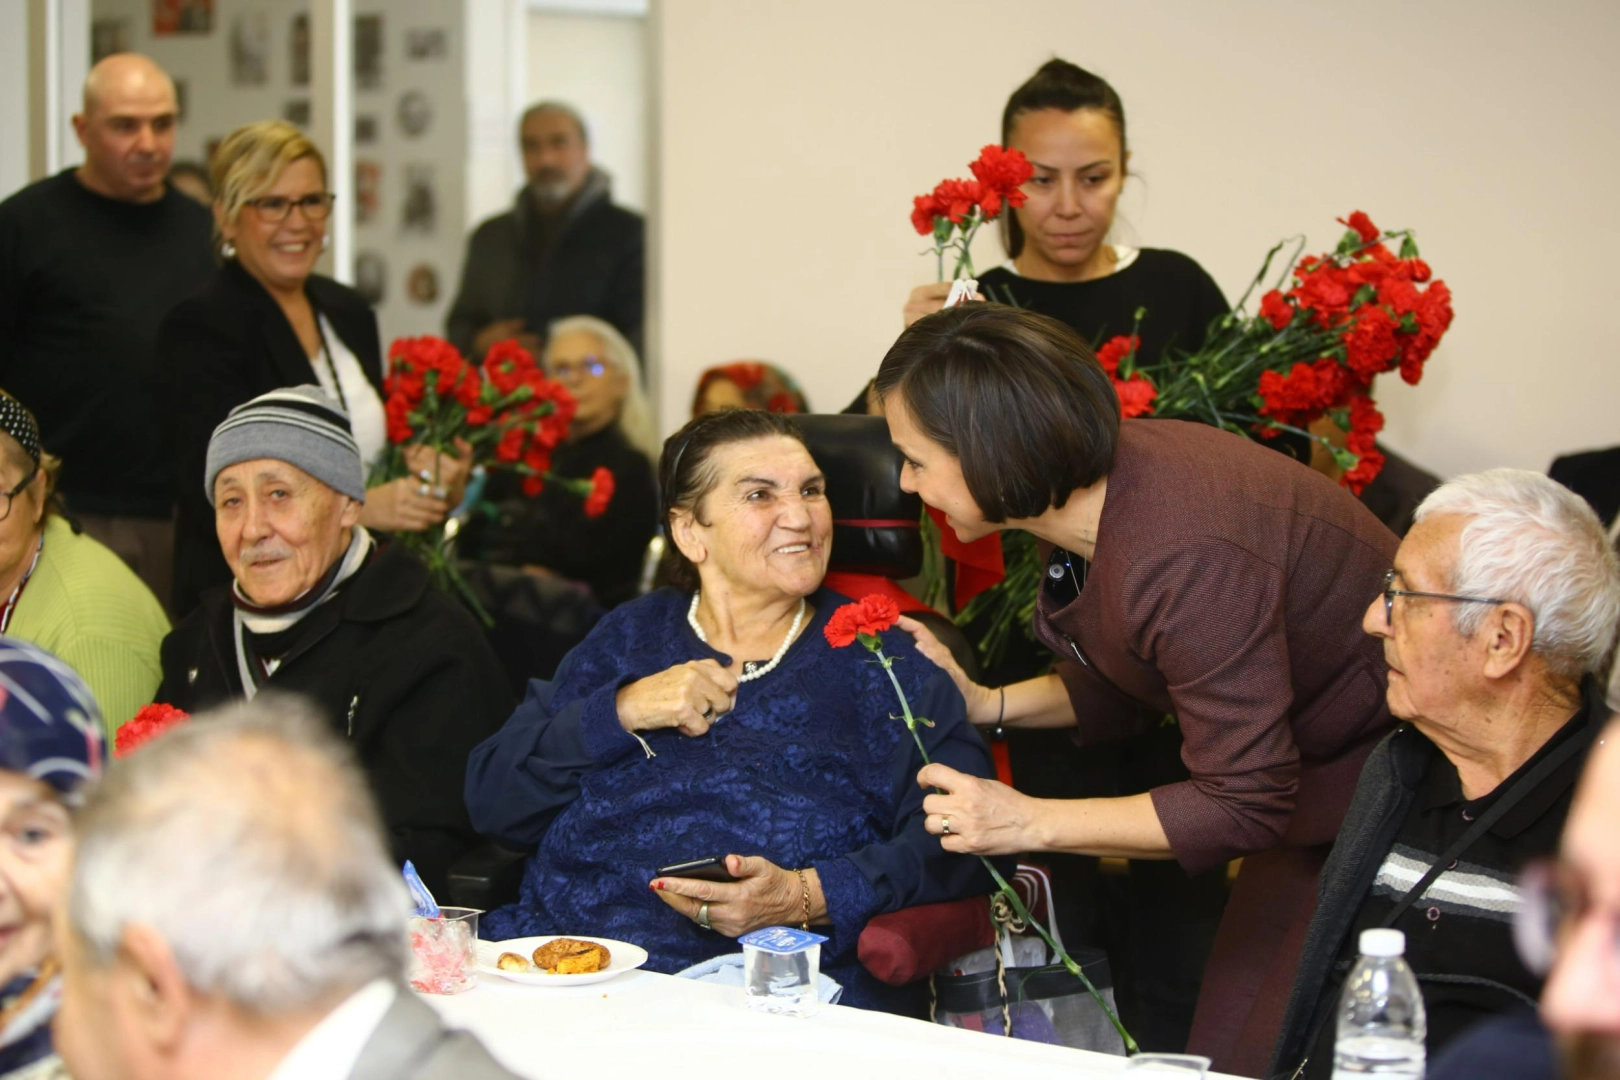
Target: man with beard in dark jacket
{"type": "Point", "coordinates": [318, 608]}
{"type": "Point", "coordinates": [563, 249]}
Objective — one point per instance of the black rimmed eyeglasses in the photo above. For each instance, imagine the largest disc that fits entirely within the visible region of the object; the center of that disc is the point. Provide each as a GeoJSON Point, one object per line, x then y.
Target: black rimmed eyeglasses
{"type": "Point", "coordinates": [278, 208]}
{"type": "Point", "coordinates": [7, 496]}
{"type": "Point", "coordinates": [1391, 592]}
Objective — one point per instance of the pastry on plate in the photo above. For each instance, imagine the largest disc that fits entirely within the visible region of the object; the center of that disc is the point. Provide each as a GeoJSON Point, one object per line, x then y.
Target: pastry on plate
{"type": "Point", "coordinates": [570, 956]}
{"type": "Point", "coordinates": [511, 961]}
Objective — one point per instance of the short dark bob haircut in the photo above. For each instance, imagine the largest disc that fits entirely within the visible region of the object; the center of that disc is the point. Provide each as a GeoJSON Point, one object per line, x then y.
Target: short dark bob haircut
{"type": "Point", "coordinates": [687, 473]}
{"type": "Point", "coordinates": [1018, 398]}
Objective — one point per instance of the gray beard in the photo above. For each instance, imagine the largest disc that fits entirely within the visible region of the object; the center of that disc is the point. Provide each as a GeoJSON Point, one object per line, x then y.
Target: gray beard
{"type": "Point", "coordinates": [549, 194]}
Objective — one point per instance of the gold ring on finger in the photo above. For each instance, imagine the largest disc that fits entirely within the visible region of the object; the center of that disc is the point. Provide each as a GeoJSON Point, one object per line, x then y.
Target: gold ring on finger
{"type": "Point", "coordinates": [944, 826]}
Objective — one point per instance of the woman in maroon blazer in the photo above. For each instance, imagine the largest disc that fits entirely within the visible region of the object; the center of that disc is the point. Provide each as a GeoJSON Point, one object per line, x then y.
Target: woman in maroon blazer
{"type": "Point", "coordinates": [1192, 575]}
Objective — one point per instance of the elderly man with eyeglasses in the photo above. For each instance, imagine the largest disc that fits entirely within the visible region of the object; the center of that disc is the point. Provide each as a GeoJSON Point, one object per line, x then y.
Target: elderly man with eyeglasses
{"type": "Point", "coordinates": [1499, 612]}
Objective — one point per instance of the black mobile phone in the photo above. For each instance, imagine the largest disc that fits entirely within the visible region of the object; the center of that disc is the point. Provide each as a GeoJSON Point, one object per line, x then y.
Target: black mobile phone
{"type": "Point", "coordinates": [711, 869]}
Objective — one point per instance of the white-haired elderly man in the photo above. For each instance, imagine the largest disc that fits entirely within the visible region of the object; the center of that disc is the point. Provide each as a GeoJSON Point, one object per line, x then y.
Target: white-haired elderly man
{"type": "Point", "coordinates": [234, 914]}
{"type": "Point", "coordinates": [318, 608]}
{"type": "Point", "coordinates": [1501, 607]}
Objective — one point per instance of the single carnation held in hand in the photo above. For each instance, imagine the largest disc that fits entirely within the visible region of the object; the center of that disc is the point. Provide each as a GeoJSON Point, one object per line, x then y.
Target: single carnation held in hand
{"type": "Point", "coordinates": [146, 725]}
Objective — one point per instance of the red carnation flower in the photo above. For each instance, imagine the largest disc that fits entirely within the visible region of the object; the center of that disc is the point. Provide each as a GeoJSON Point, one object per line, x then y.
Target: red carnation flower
{"type": "Point", "coordinates": [1276, 310]}
{"type": "Point", "coordinates": [397, 412]}
{"type": "Point", "coordinates": [153, 720]}
{"type": "Point", "coordinates": [1136, 396]}
{"type": "Point", "coordinates": [1114, 351]}
{"type": "Point", "coordinates": [955, 199]}
{"type": "Point", "coordinates": [1363, 226]}
{"type": "Point", "coordinates": [924, 209]}
{"type": "Point", "coordinates": [1370, 346]}
{"type": "Point", "coordinates": [533, 485]}
{"type": "Point", "coordinates": [596, 503]}
{"type": "Point", "coordinates": [870, 615]}
{"type": "Point", "coordinates": [1003, 173]}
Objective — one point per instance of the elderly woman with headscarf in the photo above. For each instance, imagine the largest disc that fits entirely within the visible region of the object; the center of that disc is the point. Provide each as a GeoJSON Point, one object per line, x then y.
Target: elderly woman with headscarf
{"type": "Point", "coordinates": [266, 320]}
{"type": "Point", "coordinates": [50, 743]}
{"type": "Point", "coordinates": [554, 533]}
{"type": "Point", "coordinates": [65, 591]}
{"type": "Point", "coordinates": [714, 718]}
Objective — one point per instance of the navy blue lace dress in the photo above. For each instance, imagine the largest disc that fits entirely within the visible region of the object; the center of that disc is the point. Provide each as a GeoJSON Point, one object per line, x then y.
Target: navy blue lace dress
{"type": "Point", "coordinates": [810, 769]}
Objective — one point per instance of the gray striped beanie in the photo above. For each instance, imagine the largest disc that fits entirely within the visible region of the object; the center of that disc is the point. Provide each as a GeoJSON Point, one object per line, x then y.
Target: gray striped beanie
{"type": "Point", "coordinates": [301, 425]}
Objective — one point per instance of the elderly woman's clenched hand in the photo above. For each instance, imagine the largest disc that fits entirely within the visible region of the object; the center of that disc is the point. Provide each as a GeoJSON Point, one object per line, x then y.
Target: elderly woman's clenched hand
{"type": "Point", "coordinates": [687, 696]}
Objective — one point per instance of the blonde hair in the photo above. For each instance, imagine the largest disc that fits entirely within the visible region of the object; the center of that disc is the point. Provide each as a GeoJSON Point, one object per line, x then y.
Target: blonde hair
{"type": "Point", "coordinates": [250, 160]}
{"type": "Point", "coordinates": [635, 415]}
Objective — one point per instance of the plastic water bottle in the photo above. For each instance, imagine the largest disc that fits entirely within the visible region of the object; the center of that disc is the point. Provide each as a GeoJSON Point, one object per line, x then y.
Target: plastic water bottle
{"type": "Point", "coordinates": [1381, 1020]}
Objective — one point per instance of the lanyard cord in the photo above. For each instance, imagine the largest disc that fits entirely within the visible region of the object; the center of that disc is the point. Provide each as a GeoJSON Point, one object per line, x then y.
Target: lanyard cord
{"type": "Point", "coordinates": [11, 602]}
{"type": "Point", "coordinates": [331, 365]}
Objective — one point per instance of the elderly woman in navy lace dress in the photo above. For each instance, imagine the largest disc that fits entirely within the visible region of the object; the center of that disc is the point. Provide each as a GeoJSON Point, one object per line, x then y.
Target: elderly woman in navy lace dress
{"type": "Point", "coordinates": [713, 718]}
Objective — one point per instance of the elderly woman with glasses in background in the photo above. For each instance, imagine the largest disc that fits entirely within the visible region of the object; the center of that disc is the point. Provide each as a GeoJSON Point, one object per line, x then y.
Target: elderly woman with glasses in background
{"type": "Point", "coordinates": [267, 321]}
{"type": "Point", "coordinates": [551, 535]}
{"type": "Point", "coordinates": [1499, 613]}
{"type": "Point", "coordinates": [64, 591]}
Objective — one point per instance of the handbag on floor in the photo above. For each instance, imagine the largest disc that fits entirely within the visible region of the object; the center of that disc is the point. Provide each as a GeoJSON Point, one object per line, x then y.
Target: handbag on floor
{"type": "Point", "coordinates": [1013, 988]}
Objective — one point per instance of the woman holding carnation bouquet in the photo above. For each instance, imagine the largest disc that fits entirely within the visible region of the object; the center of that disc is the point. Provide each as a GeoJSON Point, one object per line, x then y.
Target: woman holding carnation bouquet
{"type": "Point", "coordinates": [267, 321]}
{"type": "Point", "coordinates": [718, 718]}
{"type": "Point", "coordinates": [1189, 573]}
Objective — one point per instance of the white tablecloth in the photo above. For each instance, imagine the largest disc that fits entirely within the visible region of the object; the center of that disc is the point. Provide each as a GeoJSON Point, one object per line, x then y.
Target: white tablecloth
{"type": "Point", "coordinates": [645, 1025]}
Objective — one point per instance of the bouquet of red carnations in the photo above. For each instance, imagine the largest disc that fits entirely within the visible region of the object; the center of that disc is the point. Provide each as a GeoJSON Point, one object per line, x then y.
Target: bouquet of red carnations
{"type": "Point", "coordinates": [1328, 327]}
{"type": "Point", "coordinates": [954, 210]}
{"type": "Point", "coordinates": [1312, 350]}
{"type": "Point", "coordinates": [505, 409]}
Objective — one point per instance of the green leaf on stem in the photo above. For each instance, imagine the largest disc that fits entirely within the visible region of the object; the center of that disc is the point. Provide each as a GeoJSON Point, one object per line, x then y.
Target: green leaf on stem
{"type": "Point", "coordinates": [1409, 248]}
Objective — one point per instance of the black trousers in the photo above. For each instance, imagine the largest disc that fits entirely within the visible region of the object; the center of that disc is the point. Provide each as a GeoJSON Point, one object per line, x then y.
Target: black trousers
{"type": "Point", "coordinates": [1155, 921]}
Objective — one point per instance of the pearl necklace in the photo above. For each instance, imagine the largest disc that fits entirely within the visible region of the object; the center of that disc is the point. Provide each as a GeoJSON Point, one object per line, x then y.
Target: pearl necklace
{"type": "Point", "coordinates": [752, 669]}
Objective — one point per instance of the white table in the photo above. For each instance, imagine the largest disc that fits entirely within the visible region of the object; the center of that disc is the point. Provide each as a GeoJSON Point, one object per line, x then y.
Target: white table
{"type": "Point", "coordinates": [643, 1024]}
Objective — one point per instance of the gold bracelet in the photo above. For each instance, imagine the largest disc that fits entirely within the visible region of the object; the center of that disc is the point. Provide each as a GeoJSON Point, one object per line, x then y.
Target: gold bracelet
{"type": "Point", "coordinates": [804, 887]}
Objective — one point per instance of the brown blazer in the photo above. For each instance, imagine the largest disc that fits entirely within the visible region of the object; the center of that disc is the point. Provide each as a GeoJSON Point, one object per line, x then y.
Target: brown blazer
{"type": "Point", "coordinates": [1228, 590]}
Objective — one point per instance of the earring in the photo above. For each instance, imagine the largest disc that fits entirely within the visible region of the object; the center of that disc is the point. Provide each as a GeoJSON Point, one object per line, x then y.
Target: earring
{"type": "Point", "coordinates": [228, 250]}
{"type": "Point", "coordinates": [326, 241]}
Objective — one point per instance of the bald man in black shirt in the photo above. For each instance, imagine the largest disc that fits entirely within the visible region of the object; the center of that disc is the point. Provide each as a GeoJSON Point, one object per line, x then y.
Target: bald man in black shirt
{"type": "Point", "coordinates": [90, 261]}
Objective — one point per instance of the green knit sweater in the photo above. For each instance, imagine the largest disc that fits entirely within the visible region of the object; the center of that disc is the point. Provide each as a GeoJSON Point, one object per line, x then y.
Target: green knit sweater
{"type": "Point", "coordinates": [87, 607]}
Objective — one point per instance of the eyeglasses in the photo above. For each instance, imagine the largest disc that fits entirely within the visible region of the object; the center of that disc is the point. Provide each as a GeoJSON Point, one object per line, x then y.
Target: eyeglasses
{"type": "Point", "coordinates": [591, 365]}
{"type": "Point", "coordinates": [277, 208]}
{"type": "Point", "coordinates": [1390, 593]}
{"type": "Point", "coordinates": [1553, 897]}
{"type": "Point", "coordinates": [7, 496]}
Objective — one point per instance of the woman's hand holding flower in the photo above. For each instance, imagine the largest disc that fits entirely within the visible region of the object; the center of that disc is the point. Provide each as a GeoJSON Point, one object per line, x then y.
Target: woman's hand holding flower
{"type": "Point", "coordinates": [688, 696]}
{"type": "Point", "coordinates": [764, 894]}
{"type": "Point", "coordinates": [984, 817]}
{"type": "Point", "coordinates": [443, 471]}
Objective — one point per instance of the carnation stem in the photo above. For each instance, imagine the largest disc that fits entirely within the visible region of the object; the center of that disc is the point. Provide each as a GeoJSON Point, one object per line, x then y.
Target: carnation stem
{"type": "Point", "coordinates": [1005, 889]}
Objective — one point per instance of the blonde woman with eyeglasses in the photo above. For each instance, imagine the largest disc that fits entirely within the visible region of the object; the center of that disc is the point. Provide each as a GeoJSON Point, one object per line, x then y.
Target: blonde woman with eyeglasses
{"type": "Point", "coordinates": [265, 321]}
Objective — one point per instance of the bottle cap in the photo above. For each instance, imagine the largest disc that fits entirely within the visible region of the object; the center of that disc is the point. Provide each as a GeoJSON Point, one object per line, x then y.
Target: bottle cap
{"type": "Point", "coordinates": [1383, 943]}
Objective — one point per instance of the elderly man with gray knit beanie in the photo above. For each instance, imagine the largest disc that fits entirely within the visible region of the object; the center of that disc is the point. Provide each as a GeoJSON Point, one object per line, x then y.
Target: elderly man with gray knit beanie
{"type": "Point", "coordinates": [318, 607]}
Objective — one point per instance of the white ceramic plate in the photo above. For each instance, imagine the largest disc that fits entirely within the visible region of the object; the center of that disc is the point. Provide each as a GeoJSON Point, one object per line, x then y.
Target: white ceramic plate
{"type": "Point", "coordinates": [623, 957]}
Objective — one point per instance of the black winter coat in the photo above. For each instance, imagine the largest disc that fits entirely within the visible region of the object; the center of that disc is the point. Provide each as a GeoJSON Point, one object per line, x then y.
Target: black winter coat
{"type": "Point", "coordinates": [227, 344]}
{"type": "Point", "coordinates": [400, 669]}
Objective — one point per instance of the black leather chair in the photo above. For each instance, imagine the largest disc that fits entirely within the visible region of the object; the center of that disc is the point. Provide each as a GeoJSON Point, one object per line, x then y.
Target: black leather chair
{"type": "Point", "coordinates": [875, 524]}
{"type": "Point", "coordinates": [875, 531]}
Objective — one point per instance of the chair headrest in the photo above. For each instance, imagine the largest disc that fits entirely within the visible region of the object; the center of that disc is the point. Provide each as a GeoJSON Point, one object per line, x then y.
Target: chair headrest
{"type": "Point", "coordinates": [874, 522]}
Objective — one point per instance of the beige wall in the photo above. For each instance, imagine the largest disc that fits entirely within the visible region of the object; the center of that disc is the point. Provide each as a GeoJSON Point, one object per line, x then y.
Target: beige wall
{"type": "Point", "coordinates": [794, 135]}
{"type": "Point", "coordinates": [598, 64]}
